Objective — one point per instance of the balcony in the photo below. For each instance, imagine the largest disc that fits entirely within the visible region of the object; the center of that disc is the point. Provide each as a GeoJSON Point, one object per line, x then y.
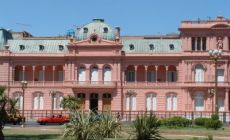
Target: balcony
{"type": "Point", "coordinates": [152, 84]}
{"type": "Point", "coordinates": [95, 84]}
{"type": "Point", "coordinates": [79, 84]}
{"type": "Point", "coordinates": [205, 84]}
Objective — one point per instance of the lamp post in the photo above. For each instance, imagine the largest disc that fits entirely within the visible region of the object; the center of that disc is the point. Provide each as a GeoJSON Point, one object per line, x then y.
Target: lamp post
{"type": "Point", "coordinates": [24, 85]}
{"type": "Point", "coordinates": [215, 55]}
{"type": "Point", "coordinates": [52, 93]}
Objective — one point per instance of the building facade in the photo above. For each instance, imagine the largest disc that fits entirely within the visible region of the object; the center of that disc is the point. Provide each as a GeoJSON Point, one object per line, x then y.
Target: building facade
{"type": "Point", "coordinates": [107, 71]}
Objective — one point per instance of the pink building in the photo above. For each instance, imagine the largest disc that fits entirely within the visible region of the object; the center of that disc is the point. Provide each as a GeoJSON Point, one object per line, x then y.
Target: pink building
{"type": "Point", "coordinates": [120, 73]}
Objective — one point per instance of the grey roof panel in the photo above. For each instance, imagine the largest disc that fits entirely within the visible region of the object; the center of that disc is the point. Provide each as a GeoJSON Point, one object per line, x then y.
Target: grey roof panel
{"type": "Point", "coordinates": [160, 45]}
{"type": "Point", "coordinates": [32, 46]}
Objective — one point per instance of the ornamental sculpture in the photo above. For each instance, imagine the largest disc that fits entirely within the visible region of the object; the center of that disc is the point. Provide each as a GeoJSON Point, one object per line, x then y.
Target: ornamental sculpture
{"type": "Point", "coordinates": [219, 43]}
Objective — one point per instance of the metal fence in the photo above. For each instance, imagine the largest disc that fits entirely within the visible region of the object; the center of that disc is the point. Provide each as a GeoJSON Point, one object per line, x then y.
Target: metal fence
{"type": "Point", "coordinates": [131, 115]}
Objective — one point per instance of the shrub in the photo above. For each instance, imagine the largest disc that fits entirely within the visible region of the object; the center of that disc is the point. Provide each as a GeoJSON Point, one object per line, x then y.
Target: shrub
{"type": "Point", "coordinates": [176, 122]}
{"type": "Point", "coordinates": [200, 121]}
{"type": "Point", "coordinates": [215, 124]}
{"type": "Point", "coordinates": [215, 116]}
{"type": "Point", "coordinates": [147, 127]}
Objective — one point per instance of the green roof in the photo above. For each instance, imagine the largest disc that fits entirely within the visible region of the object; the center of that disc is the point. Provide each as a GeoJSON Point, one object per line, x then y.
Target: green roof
{"type": "Point", "coordinates": [145, 45]}
{"type": "Point", "coordinates": [33, 46]}
{"type": "Point", "coordinates": [96, 26]}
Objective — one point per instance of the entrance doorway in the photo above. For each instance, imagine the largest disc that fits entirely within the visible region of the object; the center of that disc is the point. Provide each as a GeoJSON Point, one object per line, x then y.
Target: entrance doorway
{"type": "Point", "coordinates": [94, 101]}
{"type": "Point", "coordinates": [106, 102]}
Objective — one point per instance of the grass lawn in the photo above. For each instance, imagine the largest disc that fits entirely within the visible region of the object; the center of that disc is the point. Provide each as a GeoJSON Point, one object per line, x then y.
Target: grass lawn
{"type": "Point", "coordinates": [34, 133]}
{"type": "Point", "coordinates": [55, 132]}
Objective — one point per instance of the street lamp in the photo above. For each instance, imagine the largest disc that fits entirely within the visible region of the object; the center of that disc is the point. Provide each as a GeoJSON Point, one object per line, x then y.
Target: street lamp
{"type": "Point", "coordinates": [24, 85]}
{"type": "Point", "coordinates": [52, 93]}
{"type": "Point", "coordinates": [215, 54]}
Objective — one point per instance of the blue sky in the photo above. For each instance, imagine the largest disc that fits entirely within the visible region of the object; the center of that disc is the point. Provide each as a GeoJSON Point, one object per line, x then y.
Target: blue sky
{"type": "Point", "coordinates": [135, 17]}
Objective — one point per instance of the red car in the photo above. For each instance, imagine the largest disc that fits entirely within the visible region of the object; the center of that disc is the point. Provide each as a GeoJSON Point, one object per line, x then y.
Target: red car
{"type": "Point", "coordinates": [59, 119]}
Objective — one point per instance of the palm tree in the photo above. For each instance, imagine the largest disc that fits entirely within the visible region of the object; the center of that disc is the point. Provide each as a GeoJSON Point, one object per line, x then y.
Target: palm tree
{"type": "Point", "coordinates": [108, 125]}
{"type": "Point", "coordinates": [3, 113]}
{"type": "Point", "coordinates": [71, 103]}
{"type": "Point", "coordinates": [82, 126]}
{"type": "Point", "coordinates": [147, 127]}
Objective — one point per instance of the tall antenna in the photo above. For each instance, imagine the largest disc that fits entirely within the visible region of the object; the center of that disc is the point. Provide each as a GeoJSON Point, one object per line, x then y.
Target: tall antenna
{"type": "Point", "coordinates": [24, 26]}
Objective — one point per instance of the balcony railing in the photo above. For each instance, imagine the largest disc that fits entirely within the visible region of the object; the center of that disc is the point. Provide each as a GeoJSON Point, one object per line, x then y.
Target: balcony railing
{"type": "Point", "coordinates": [95, 83]}
{"type": "Point", "coordinates": [151, 84]}
{"type": "Point", "coordinates": [110, 84]}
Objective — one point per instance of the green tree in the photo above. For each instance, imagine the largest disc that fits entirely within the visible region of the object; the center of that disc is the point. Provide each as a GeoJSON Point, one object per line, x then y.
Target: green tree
{"type": "Point", "coordinates": [3, 113]}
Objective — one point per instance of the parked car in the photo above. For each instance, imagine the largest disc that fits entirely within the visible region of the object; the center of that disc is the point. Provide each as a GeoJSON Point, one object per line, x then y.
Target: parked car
{"type": "Point", "coordinates": [59, 119]}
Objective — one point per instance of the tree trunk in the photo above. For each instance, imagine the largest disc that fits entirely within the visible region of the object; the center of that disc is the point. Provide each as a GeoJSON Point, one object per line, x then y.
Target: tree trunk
{"type": "Point", "coordinates": [1, 134]}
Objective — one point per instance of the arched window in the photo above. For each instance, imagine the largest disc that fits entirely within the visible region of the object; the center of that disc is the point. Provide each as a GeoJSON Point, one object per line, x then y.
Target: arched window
{"type": "Point", "coordinates": [81, 76]}
{"type": "Point", "coordinates": [199, 101]}
{"type": "Point", "coordinates": [85, 30]}
{"type": "Point", "coordinates": [107, 74]}
{"type": "Point", "coordinates": [57, 98]}
{"type": "Point", "coordinates": [38, 101]}
{"type": "Point", "coordinates": [105, 30]}
{"type": "Point", "coordinates": [94, 74]}
{"type": "Point", "coordinates": [199, 73]}
{"type": "Point", "coordinates": [151, 46]}
{"type": "Point", "coordinates": [171, 102]}
{"type": "Point", "coordinates": [151, 102]}
{"type": "Point", "coordinates": [18, 96]}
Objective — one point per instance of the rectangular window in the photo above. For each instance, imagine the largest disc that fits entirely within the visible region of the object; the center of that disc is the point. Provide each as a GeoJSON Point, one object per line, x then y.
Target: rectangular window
{"type": "Point", "coordinates": [40, 75]}
{"type": "Point", "coordinates": [204, 43]}
{"type": "Point", "coordinates": [60, 76]}
{"type": "Point", "coordinates": [193, 43]}
{"type": "Point", "coordinates": [151, 76]}
{"type": "Point", "coordinates": [220, 75]}
{"type": "Point", "coordinates": [171, 76]}
{"type": "Point", "coordinates": [131, 76]}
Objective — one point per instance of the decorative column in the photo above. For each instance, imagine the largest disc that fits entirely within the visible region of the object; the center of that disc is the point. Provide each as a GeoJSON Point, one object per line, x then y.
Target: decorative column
{"type": "Point", "coordinates": [166, 75]}
{"type": "Point", "coordinates": [135, 67]}
{"type": "Point", "coordinates": [23, 72]}
{"type": "Point", "coordinates": [33, 68]}
{"type": "Point", "coordinates": [54, 67]}
{"type": "Point", "coordinates": [73, 72]}
{"type": "Point", "coordinates": [100, 104]}
{"type": "Point", "coordinates": [13, 74]}
{"type": "Point", "coordinates": [146, 74]}
{"type": "Point", "coordinates": [43, 71]}
{"type": "Point", "coordinates": [156, 68]}
{"type": "Point", "coordinates": [226, 107]}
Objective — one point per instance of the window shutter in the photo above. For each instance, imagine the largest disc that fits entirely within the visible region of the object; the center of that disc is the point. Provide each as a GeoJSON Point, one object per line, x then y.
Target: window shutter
{"type": "Point", "coordinates": [40, 75]}
{"type": "Point", "coordinates": [169, 103]}
{"type": "Point", "coordinates": [154, 103]}
{"type": "Point", "coordinates": [221, 104]}
{"type": "Point", "coordinates": [41, 102]}
{"type": "Point", "coordinates": [174, 102]}
{"type": "Point", "coordinates": [55, 102]}
{"type": "Point", "coordinates": [148, 103]}
{"type": "Point", "coordinates": [82, 74]}
{"type": "Point", "coordinates": [133, 103]}
{"type": "Point", "coordinates": [35, 101]}
{"type": "Point", "coordinates": [127, 102]}
{"type": "Point", "coordinates": [59, 104]}
{"type": "Point", "coordinates": [60, 76]}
